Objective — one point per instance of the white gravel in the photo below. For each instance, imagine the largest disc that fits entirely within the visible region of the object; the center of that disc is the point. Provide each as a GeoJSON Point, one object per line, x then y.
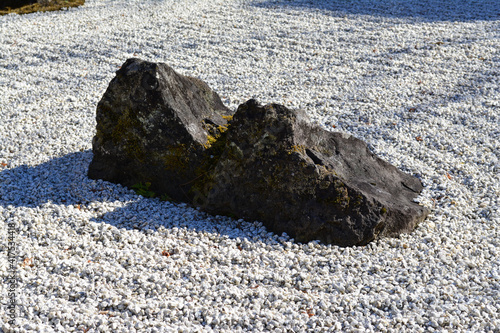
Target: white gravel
{"type": "Point", "coordinates": [418, 80]}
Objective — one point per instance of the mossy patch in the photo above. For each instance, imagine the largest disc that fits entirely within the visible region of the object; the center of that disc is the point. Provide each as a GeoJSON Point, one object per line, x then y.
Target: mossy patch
{"type": "Point", "coordinates": [296, 149]}
{"type": "Point", "coordinates": [359, 201]}
{"type": "Point", "coordinates": [215, 147]}
{"type": "Point", "coordinates": [28, 7]}
{"type": "Point", "coordinates": [144, 190]}
{"type": "Point", "coordinates": [210, 141]}
{"type": "Point", "coordinates": [121, 135]}
{"type": "Point", "coordinates": [340, 197]}
{"type": "Point", "coordinates": [176, 158]}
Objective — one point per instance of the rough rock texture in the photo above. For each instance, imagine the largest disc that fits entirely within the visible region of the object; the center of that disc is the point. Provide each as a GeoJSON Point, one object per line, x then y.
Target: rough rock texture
{"type": "Point", "coordinates": [310, 183]}
{"type": "Point", "coordinates": [155, 125]}
{"type": "Point", "coordinates": [268, 163]}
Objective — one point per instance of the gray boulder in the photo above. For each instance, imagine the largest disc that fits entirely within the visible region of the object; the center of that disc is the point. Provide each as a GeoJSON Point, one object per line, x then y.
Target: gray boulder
{"type": "Point", "coordinates": [265, 163]}
{"type": "Point", "coordinates": [310, 183]}
{"type": "Point", "coordinates": [154, 126]}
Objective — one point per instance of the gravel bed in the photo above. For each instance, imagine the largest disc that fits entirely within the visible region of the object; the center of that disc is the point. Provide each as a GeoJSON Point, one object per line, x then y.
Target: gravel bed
{"type": "Point", "coordinates": [418, 80]}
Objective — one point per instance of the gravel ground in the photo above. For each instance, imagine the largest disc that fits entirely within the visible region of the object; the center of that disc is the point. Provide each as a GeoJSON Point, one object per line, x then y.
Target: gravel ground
{"type": "Point", "coordinates": [418, 80]}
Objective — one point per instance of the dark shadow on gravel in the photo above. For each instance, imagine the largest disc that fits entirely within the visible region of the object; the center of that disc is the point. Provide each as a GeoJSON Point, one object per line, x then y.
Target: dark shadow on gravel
{"type": "Point", "coordinates": [63, 181]}
{"type": "Point", "coordinates": [421, 10]}
{"type": "Point", "coordinates": [141, 215]}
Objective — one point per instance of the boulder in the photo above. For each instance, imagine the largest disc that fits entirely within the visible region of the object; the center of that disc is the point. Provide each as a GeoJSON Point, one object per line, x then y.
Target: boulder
{"type": "Point", "coordinates": [154, 126]}
{"type": "Point", "coordinates": [278, 168]}
{"type": "Point", "coordinates": [265, 163]}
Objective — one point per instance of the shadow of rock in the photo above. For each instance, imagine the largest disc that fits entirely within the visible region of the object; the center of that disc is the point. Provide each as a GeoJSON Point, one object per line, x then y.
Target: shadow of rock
{"type": "Point", "coordinates": [63, 181]}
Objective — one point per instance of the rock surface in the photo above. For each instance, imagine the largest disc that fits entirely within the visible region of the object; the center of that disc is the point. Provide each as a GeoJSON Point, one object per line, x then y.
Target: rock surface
{"type": "Point", "coordinates": [310, 183]}
{"type": "Point", "coordinates": [268, 163]}
{"type": "Point", "coordinates": [154, 126]}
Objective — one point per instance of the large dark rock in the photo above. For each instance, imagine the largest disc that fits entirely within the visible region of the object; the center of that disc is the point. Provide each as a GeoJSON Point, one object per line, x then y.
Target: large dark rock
{"type": "Point", "coordinates": [310, 183]}
{"type": "Point", "coordinates": [154, 126]}
{"type": "Point", "coordinates": [268, 163]}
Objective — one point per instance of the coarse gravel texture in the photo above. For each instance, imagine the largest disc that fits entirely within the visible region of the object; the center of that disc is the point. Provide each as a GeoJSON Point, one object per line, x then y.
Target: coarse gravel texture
{"type": "Point", "coordinates": [418, 80]}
